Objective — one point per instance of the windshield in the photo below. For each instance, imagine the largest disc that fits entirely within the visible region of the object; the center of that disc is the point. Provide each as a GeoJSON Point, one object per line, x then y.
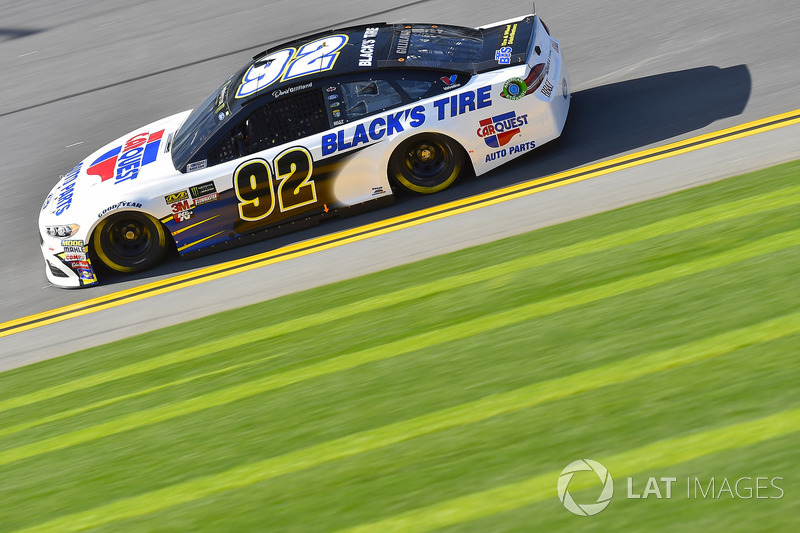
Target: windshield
{"type": "Point", "coordinates": [201, 124]}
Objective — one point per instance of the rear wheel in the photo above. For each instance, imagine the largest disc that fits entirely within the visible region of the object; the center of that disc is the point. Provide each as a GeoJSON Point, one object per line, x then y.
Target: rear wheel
{"type": "Point", "coordinates": [427, 163]}
{"type": "Point", "coordinates": [129, 242]}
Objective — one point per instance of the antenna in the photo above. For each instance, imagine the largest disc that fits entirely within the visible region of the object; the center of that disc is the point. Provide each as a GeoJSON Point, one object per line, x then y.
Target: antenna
{"type": "Point", "coordinates": [322, 57]}
{"type": "Point", "coordinates": [534, 8]}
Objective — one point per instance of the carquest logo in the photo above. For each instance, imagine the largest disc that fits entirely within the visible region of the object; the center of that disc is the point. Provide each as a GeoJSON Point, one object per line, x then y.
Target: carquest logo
{"type": "Point", "coordinates": [138, 151]}
{"type": "Point", "coordinates": [588, 509]}
{"type": "Point", "coordinates": [498, 131]}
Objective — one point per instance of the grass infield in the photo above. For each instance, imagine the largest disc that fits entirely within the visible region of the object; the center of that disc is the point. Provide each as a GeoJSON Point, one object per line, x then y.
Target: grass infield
{"type": "Point", "coordinates": [660, 339]}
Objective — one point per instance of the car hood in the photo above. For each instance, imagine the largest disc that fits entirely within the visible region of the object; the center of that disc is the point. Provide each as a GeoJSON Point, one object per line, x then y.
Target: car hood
{"type": "Point", "coordinates": [136, 157]}
{"type": "Point", "coordinates": [121, 168]}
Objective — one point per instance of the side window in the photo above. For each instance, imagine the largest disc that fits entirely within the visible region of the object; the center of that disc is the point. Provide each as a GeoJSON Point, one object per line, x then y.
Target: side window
{"type": "Point", "coordinates": [281, 121]}
{"type": "Point", "coordinates": [353, 100]}
{"type": "Point", "coordinates": [415, 89]}
{"type": "Point", "coordinates": [418, 85]}
{"type": "Point", "coordinates": [362, 98]}
{"type": "Point", "coordinates": [222, 152]}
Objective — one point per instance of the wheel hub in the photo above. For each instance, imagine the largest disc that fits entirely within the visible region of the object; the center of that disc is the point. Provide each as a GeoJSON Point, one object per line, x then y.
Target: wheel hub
{"type": "Point", "coordinates": [426, 154]}
{"type": "Point", "coordinates": [130, 233]}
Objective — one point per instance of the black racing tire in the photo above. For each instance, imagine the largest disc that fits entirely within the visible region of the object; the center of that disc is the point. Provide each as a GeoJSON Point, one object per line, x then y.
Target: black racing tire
{"type": "Point", "coordinates": [129, 242]}
{"type": "Point", "coordinates": [427, 163]}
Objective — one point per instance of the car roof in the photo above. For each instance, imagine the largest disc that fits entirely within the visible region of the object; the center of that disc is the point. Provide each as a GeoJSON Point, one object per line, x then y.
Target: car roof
{"type": "Point", "coordinates": [371, 48]}
{"type": "Point", "coordinates": [375, 50]}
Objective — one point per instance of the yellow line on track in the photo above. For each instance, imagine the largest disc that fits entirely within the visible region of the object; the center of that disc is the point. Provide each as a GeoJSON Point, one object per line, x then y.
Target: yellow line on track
{"type": "Point", "coordinates": [415, 218]}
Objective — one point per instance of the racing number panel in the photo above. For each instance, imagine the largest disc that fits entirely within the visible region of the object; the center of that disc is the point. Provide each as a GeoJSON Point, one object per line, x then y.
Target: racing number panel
{"type": "Point", "coordinates": [270, 192]}
{"type": "Point", "coordinates": [293, 186]}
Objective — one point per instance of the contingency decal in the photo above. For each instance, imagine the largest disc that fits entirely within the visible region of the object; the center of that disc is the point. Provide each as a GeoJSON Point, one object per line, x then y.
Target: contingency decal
{"type": "Point", "coordinates": [204, 193]}
{"type": "Point", "coordinates": [119, 205]}
{"type": "Point", "coordinates": [73, 251]}
{"type": "Point", "coordinates": [221, 102]}
{"type": "Point", "coordinates": [138, 151]}
{"type": "Point", "coordinates": [503, 56]}
{"type": "Point", "coordinates": [515, 88]}
{"type": "Point", "coordinates": [509, 34]}
{"type": "Point", "coordinates": [450, 82]}
{"type": "Point", "coordinates": [198, 165]}
{"type": "Point", "coordinates": [181, 206]}
{"type": "Point", "coordinates": [284, 65]}
{"type": "Point", "coordinates": [86, 273]}
{"type": "Point", "coordinates": [76, 257]}
{"type": "Point", "coordinates": [547, 88]}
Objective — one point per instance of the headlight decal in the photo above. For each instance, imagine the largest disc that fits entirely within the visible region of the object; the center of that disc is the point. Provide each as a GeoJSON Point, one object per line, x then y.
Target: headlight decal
{"type": "Point", "coordinates": [62, 232]}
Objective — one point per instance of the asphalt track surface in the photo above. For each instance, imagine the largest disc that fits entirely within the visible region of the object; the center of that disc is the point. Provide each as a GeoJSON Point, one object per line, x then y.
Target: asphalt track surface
{"type": "Point", "coordinates": [645, 73]}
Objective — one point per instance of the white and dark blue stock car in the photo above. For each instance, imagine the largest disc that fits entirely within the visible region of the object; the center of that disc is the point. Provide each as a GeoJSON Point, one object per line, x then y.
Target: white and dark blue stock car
{"type": "Point", "coordinates": [317, 127]}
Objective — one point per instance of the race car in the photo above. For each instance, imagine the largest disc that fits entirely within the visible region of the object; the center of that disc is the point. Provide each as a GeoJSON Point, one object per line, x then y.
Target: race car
{"type": "Point", "coordinates": [322, 126]}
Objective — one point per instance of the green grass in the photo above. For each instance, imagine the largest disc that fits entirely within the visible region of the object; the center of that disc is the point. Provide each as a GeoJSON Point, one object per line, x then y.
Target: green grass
{"type": "Point", "coordinates": [660, 339]}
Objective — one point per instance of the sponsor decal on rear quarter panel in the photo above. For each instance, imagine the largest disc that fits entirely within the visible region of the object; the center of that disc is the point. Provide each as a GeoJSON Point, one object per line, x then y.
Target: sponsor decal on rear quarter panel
{"type": "Point", "coordinates": [498, 131]}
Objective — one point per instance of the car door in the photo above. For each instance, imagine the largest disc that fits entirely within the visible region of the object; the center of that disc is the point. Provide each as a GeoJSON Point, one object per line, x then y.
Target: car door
{"type": "Point", "coordinates": [274, 181]}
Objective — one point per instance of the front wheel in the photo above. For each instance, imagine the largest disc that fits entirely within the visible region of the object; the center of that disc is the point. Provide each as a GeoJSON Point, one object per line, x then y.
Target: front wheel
{"type": "Point", "coordinates": [427, 163]}
{"type": "Point", "coordinates": [129, 242]}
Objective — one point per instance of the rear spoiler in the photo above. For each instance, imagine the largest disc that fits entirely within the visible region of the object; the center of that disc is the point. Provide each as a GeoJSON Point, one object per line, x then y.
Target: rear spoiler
{"type": "Point", "coordinates": [519, 58]}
